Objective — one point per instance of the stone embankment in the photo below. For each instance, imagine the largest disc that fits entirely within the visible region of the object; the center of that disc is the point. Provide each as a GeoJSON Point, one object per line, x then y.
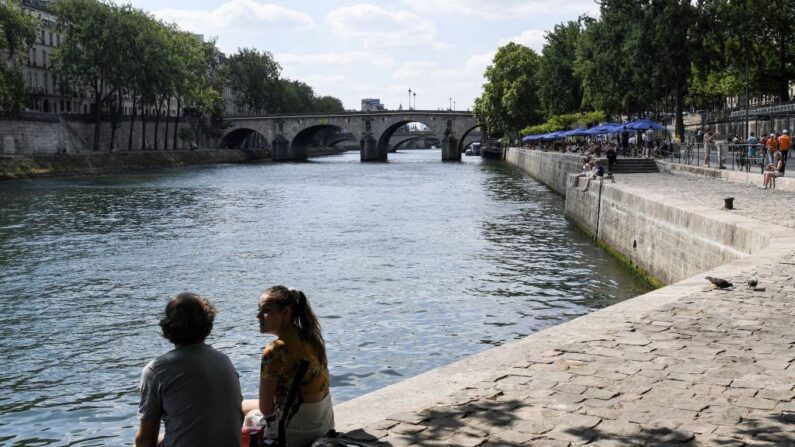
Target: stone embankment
{"type": "Point", "coordinates": [42, 165]}
{"type": "Point", "coordinates": [683, 365]}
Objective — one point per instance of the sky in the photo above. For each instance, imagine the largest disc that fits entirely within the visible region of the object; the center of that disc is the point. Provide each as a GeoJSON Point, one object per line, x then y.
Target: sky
{"type": "Point", "coordinates": [358, 49]}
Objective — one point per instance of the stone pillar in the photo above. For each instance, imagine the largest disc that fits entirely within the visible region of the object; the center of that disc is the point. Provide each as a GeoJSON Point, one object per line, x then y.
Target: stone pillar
{"type": "Point", "coordinates": [369, 149]}
{"type": "Point", "coordinates": [450, 150]}
{"type": "Point", "coordinates": [281, 150]}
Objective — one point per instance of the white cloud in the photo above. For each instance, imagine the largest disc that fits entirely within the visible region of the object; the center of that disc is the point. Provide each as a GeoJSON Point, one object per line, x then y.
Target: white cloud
{"type": "Point", "coordinates": [240, 15]}
{"type": "Point", "coordinates": [532, 38]}
{"type": "Point", "coordinates": [416, 69]}
{"type": "Point", "coordinates": [501, 9]}
{"type": "Point", "coordinates": [374, 26]}
{"type": "Point", "coordinates": [321, 60]}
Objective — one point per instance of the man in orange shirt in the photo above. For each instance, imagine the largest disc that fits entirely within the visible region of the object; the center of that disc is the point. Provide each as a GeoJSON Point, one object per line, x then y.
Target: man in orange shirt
{"type": "Point", "coordinates": [772, 147]}
{"type": "Point", "coordinates": [784, 142]}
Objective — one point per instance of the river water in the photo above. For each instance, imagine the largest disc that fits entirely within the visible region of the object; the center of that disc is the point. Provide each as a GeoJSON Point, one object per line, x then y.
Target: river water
{"type": "Point", "coordinates": [410, 265]}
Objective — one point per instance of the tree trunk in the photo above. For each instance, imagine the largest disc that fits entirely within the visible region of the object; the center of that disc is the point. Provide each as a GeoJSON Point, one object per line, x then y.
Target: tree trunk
{"type": "Point", "coordinates": [165, 132]}
{"type": "Point", "coordinates": [132, 122]}
{"type": "Point", "coordinates": [157, 122]}
{"type": "Point", "coordinates": [143, 127]}
{"type": "Point", "coordinates": [783, 86]}
{"type": "Point", "coordinates": [97, 119]}
{"type": "Point", "coordinates": [680, 123]}
{"type": "Point", "coordinates": [116, 123]}
{"type": "Point", "coordinates": [176, 123]}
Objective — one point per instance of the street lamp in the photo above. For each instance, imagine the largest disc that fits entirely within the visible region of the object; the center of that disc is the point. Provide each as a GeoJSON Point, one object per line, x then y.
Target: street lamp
{"type": "Point", "coordinates": [415, 99]}
{"type": "Point", "coordinates": [409, 99]}
{"type": "Point", "coordinates": [450, 104]}
{"type": "Point", "coordinates": [453, 105]}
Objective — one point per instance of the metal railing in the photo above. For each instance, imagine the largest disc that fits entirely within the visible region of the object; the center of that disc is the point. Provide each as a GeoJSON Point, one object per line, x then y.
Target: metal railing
{"type": "Point", "coordinates": [736, 157]}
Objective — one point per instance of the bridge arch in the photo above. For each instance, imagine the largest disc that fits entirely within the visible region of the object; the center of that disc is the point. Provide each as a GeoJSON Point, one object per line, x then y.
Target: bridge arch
{"type": "Point", "coordinates": [305, 137]}
{"type": "Point", "coordinates": [461, 145]}
{"type": "Point", "coordinates": [409, 139]}
{"type": "Point", "coordinates": [244, 138]}
{"type": "Point", "coordinates": [386, 135]}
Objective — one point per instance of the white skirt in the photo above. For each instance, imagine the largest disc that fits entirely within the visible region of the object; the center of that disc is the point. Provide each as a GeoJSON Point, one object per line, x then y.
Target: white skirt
{"type": "Point", "coordinates": [312, 421]}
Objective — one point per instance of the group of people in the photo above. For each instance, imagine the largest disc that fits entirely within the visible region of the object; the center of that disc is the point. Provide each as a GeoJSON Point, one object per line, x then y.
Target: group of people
{"type": "Point", "coordinates": [591, 169]}
{"type": "Point", "coordinates": [195, 390]}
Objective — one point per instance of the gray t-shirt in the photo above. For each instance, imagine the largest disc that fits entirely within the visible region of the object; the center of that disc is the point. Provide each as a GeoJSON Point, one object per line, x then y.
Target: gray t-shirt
{"type": "Point", "coordinates": [196, 391]}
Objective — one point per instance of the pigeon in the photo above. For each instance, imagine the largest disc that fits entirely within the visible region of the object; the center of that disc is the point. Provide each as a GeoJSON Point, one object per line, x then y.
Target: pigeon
{"type": "Point", "coordinates": [719, 283]}
{"type": "Point", "coordinates": [752, 281]}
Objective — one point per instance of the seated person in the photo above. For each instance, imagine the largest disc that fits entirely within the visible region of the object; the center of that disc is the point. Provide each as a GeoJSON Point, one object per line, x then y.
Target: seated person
{"type": "Point", "coordinates": [586, 171]}
{"type": "Point", "coordinates": [193, 388]}
{"type": "Point", "coordinates": [286, 313]}
{"type": "Point", "coordinates": [596, 172]}
{"type": "Point", "coordinates": [776, 169]}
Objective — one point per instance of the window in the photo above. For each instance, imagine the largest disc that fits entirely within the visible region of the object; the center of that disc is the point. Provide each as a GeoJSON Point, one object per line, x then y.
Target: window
{"type": "Point", "coordinates": [35, 62]}
{"type": "Point", "coordinates": [46, 83]}
{"type": "Point", "coordinates": [58, 40]}
{"type": "Point", "coordinates": [43, 58]}
{"type": "Point", "coordinates": [42, 36]}
{"type": "Point", "coordinates": [51, 41]}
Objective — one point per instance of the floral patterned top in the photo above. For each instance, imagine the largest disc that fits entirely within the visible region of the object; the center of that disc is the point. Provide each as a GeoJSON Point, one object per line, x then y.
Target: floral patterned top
{"type": "Point", "coordinates": [279, 361]}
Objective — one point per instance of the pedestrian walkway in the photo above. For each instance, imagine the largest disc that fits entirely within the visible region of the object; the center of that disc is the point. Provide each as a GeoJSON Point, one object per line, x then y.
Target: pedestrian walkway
{"type": "Point", "coordinates": [683, 365]}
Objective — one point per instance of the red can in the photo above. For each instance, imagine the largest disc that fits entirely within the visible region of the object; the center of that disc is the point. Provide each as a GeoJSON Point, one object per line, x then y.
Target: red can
{"type": "Point", "coordinates": [250, 437]}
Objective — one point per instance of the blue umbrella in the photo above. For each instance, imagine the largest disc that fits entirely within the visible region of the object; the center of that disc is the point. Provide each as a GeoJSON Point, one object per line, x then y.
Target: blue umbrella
{"type": "Point", "coordinates": [644, 124]}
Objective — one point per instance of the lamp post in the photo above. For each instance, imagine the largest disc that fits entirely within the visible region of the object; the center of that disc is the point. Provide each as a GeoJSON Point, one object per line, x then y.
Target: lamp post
{"type": "Point", "coordinates": [409, 99]}
{"type": "Point", "coordinates": [746, 99]}
{"type": "Point", "coordinates": [415, 99]}
{"type": "Point", "coordinates": [453, 105]}
{"type": "Point", "coordinates": [450, 104]}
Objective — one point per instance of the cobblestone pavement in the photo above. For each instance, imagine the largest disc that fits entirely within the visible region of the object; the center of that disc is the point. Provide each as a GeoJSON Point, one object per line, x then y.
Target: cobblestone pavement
{"type": "Point", "coordinates": [770, 205]}
{"type": "Point", "coordinates": [712, 368]}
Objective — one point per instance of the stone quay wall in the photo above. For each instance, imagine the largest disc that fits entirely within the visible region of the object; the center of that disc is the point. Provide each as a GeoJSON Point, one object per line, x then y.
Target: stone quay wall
{"type": "Point", "coordinates": [51, 134]}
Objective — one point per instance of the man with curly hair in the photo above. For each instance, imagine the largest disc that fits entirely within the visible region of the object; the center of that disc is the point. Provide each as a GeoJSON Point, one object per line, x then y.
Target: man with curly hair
{"type": "Point", "coordinates": [194, 389]}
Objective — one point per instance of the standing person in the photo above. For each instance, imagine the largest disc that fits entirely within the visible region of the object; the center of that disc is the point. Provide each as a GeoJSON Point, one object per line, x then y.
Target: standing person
{"type": "Point", "coordinates": [193, 388]}
{"type": "Point", "coordinates": [624, 142]}
{"type": "Point", "coordinates": [784, 143]}
{"type": "Point", "coordinates": [752, 143]}
{"type": "Point", "coordinates": [772, 147]}
{"type": "Point", "coordinates": [286, 313]}
{"type": "Point", "coordinates": [708, 140]}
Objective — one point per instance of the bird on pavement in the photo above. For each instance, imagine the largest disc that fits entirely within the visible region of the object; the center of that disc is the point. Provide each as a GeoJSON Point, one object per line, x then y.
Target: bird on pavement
{"type": "Point", "coordinates": [752, 281]}
{"type": "Point", "coordinates": [719, 283]}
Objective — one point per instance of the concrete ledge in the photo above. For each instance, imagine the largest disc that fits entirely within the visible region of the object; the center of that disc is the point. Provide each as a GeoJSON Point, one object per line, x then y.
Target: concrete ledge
{"type": "Point", "coordinates": [750, 178]}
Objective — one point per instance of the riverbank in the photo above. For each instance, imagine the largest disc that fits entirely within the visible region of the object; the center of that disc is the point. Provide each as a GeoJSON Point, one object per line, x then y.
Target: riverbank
{"type": "Point", "coordinates": [684, 364]}
{"type": "Point", "coordinates": [91, 163]}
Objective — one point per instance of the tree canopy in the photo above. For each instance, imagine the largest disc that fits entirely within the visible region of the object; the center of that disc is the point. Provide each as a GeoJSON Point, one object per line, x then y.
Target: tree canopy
{"type": "Point", "coordinates": [650, 58]}
{"type": "Point", "coordinates": [17, 34]}
{"type": "Point", "coordinates": [509, 100]}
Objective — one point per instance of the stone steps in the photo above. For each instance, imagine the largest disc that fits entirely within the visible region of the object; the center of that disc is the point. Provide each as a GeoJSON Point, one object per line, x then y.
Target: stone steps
{"type": "Point", "coordinates": [634, 166]}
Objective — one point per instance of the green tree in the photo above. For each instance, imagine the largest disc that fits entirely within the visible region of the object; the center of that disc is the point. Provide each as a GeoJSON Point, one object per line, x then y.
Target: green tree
{"type": "Point", "coordinates": [254, 76]}
{"type": "Point", "coordinates": [559, 88]}
{"type": "Point", "coordinates": [509, 101]}
{"type": "Point", "coordinates": [90, 57]}
{"type": "Point", "coordinates": [17, 34]}
{"type": "Point", "coordinates": [327, 104]}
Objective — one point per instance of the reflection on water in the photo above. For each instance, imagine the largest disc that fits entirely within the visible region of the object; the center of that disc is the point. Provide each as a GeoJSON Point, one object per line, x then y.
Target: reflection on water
{"type": "Point", "coordinates": [410, 264]}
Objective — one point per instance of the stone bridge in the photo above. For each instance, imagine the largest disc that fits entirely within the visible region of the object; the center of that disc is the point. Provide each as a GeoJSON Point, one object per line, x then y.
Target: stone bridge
{"type": "Point", "coordinates": [289, 136]}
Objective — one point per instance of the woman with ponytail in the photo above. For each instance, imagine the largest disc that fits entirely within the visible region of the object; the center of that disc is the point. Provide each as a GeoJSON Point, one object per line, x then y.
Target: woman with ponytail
{"type": "Point", "coordinates": [286, 313]}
